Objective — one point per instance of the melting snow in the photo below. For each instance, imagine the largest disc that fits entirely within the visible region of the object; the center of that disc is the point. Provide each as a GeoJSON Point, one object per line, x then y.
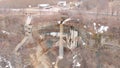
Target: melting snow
{"type": "Point", "coordinates": [59, 22]}
{"type": "Point", "coordinates": [78, 19]}
{"type": "Point", "coordinates": [74, 56]}
{"type": "Point", "coordinates": [99, 24]}
{"type": "Point", "coordinates": [94, 24]}
{"type": "Point", "coordinates": [102, 29]}
{"type": "Point", "coordinates": [5, 32]}
{"type": "Point", "coordinates": [85, 26]}
{"type": "Point", "coordinates": [60, 57]}
{"type": "Point", "coordinates": [78, 64]}
{"type": "Point", "coordinates": [90, 33]}
{"type": "Point", "coordinates": [8, 64]}
{"type": "Point", "coordinates": [53, 33]}
{"type": "Point", "coordinates": [53, 63]}
{"type": "Point", "coordinates": [83, 43]}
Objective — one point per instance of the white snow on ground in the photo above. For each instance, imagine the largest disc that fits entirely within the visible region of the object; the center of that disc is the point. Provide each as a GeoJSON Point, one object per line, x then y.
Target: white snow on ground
{"type": "Point", "coordinates": [74, 56]}
{"type": "Point", "coordinates": [94, 24]}
{"type": "Point", "coordinates": [54, 33]}
{"type": "Point", "coordinates": [78, 64]}
{"type": "Point", "coordinates": [90, 33]}
{"type": "Point", "coordinates": [85, 26]}
{"type": "Point", "coordinates": [75, 61]}
{"type": "Point", "coordinates": [83, 43]}
{"type": "Point", "coordinates": [102, 29]}
{"type": "Point", "coordinates": [2, 59]}
{"type": "Point", "coordinates": [53, 63]}
{"type": "Point", "coordinates": [5, 32]}
{"type": "Point", "coordinates": [59, 22]}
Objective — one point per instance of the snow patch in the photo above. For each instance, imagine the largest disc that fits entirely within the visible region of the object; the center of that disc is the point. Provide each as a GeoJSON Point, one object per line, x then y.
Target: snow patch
{"type": "Point", "coordinates": [5, 32]}
{"type": "Point", "coordinates": [74, 56]}
{"type": "Point", "coordinates": [53, 33]}
{"type": "Point", "coordinates": [85, 26]}
{"type": "Point", "coordinates": [102, 29]}
{"type": "Point", "coordinates": [53, 63]}
{"type": "Point", "coordinates": [3, 60]}
{"type": "Point", "coordinates": [90, 33]}
{"type": "Point", "coordinates": [78, 64]}
{"type": "Point", "coordinates": [94, 24]}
